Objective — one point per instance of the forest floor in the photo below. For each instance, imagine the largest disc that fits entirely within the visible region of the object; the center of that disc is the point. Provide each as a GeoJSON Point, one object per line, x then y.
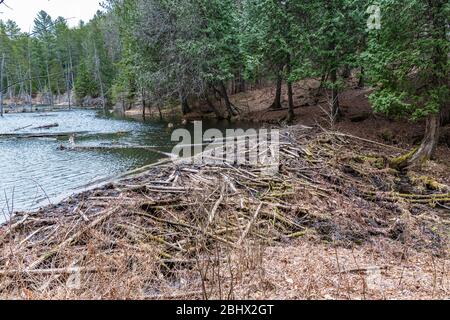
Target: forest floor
{"type": "Point", "coordinates": [335, 222]}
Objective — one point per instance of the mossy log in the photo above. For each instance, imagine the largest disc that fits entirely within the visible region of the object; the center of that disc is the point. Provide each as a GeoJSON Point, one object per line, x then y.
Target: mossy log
{"type": "Point", "coordinates": [402, 162]}
{"type": "Point", "coordinates": [410, 198]}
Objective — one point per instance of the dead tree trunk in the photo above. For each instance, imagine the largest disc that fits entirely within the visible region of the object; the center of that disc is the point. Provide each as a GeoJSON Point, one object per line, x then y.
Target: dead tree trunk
{"type": "Point", "coordinates": [1, 103]}
{"type": "Point", "coordinates": [49, 80]}
{"type": "Point", "coordinates": [1, 84]}
{"type": "Point", "coordinates": [30, 73]}
{"type": "Point", "coordinates": [99, 78]}
{"type": "Point", "coordinates": [70, 75]}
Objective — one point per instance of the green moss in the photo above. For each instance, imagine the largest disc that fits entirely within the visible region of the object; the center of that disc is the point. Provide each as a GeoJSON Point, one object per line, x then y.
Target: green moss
{"type": "Point", "coordinates": [430, 183]}
{"type": "Point", "coordinates": [401, 162]}
{"type": "Point", "coordinates": [374, 161]}
{"type": "Point", "coordinates": [387, 135]}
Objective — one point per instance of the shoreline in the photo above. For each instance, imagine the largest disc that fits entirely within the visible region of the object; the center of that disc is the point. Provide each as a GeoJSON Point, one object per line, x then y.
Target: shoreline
{"type": "Point", "coordinates": [178, 221]}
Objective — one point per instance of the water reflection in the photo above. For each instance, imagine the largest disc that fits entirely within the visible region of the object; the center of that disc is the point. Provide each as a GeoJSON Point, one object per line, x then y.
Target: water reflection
{"type": "Point", "coordinates": [33, 169]}
{"type": "Point", "coordinates": [36, 171]}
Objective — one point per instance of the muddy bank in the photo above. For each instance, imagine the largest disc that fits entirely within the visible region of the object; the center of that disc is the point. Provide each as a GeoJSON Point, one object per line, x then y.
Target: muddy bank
{"type": "Point", "coordinates": [332, 215]}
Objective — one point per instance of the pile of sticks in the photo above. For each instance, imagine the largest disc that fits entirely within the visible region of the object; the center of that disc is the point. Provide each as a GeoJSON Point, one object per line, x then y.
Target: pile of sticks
{"type": "Point", "coordinates": [168, 218]}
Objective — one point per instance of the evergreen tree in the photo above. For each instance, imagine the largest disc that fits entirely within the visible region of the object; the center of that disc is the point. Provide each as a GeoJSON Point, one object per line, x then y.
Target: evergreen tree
{"type": "Point", "coordinates": [85, 84]}
{"type": "Point", "coordinates": [408, 63]}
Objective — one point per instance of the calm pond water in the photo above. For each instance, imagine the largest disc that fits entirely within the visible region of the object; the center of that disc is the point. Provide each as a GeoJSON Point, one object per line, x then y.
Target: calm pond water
{"type": "Point", "coordinates": [34, 171]}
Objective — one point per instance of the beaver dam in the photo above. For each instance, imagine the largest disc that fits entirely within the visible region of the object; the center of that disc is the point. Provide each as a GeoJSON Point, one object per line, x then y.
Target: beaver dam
{"type": "Point", "coordinates": [334, 222]}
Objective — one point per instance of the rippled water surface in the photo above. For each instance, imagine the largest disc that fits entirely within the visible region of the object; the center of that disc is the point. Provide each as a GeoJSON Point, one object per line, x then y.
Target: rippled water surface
{"type": "Point", "coordinates": [34, 171]}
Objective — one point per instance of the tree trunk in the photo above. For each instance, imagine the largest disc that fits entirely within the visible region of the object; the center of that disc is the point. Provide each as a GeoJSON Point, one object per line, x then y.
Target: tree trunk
{"type": "Point", "coordinates": [429, 142]}
{"type": "Point", "coordinates": [223, 90]}
{"type": "Point", "coordinates": [49, 83]}
{"type": "Point", "coordinates": [1, 84]}
{"type": "Point", "coordinates": [426, 148]}
{"type": "Point", "coordinates": [161, 118]}
{"type": "Point", "coordinates": [291, 114]}
{"type": "Point", "coordinates": [219, 116]}
{"type": "Point", "coordinates": [335, 108]}
{"type": "Point", "coordinates": [102, 92]}
{"type": "Point", "coordinates": [70, 75]}
{"type": "Point", "coordinates": [277, 102]}
{"type": "Point", "coordinates": [346, 72]}
{"type": "Point", "coordinates": [69, 94]}
{"type": "Point", "coordinates": [241, 83]}
{"type": "Point", "coordinates": [1, 104]}
{"type": "Point", "coordinates": [143, 105]}
{"type": "Point", "coordinates": [323, 79]}
{"type": "Point", "coordinates": [143, 109]}
{"type": "Point", "coordinates": [99, 78]}
{"type": "Point", "coordinates": [361, 78]}
{"type": "Point", "coordinates": [68, 89]}
{"type": "Point", "coordinates": [446, 115]}
{"type": "Point", "coordinates": [30, 73]}
{"type": "Point", "coordinates": [185, 109]}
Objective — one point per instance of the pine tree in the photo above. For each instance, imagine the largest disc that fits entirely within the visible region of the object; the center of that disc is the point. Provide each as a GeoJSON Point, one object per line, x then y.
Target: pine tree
{"type": "Point", "coordinates": [85, 84]}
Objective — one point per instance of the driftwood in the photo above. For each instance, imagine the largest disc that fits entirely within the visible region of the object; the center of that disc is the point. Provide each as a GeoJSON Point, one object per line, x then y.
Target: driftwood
{"type": "Point", "coordinates": [114, 147]}
{"type": "Point", "coordinates": [41, 135]}
{"type": "Point", "coordinates": [47, 126]}
{"type": "Point", "coordinates": [84, 134]}
{"type": "Point", "coordinates": [21, 128]}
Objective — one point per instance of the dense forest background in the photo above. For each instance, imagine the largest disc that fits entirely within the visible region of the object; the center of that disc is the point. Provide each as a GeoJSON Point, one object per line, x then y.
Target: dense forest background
{"type": "Point", "coordinates": [171, 52]}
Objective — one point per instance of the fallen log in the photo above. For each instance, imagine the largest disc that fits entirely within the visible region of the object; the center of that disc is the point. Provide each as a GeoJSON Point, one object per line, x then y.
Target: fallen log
{"type": "Point", "coordinates": [84, 134]}
{"type": "Point", "coordinates": [47, 126]}
{"type": "Point", "coordinates": [29, 135]}
{"type": "Point", "coordinates": [112, 147]}
{"type": "Point", "coordinates": [21, 128]}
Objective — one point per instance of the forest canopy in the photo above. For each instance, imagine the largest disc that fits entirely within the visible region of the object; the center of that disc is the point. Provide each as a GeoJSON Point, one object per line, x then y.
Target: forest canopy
{"type": "Point", "coordinates": [170, 52]}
